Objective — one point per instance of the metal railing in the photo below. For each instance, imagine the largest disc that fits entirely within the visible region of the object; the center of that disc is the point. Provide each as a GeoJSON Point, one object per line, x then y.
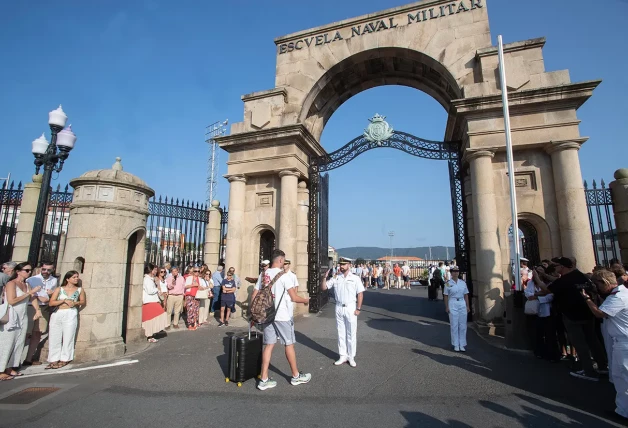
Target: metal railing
{"type": "Point", "coordinates": [175, 232]}
{"type": "Point", "coordinates": [602, 223]}
{"type": "Point", "coordinates": [10, 202]}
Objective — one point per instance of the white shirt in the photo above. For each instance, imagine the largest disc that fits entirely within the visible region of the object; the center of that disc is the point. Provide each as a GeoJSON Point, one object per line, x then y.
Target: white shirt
{"type": "Point", "coordinates": [283, 305]}
{"type": "Point", "coordinates": [347, 288]}
{"type": "Point", "coordinates": [455, 290]}
{"type": "Point", "coordinates": [150, 291]}
{"type": "Point", "coordinates": [260, 278]}
{"type": "Point", "coordinates": [163, 287]}
{"type": "Point", "coordinates": [544, 301]}
{"type": "Point", "coordinates": [616, 307]}
{"type": "Point", "coordinates": [46, 285]}
{"type": "Point", "coordinates": [406, 270]}
{"type": "Point", "coordinates": [447, 273]}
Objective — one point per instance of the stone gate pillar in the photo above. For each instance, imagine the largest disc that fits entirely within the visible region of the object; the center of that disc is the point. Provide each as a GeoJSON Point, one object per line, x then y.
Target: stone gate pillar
{"type": "Point", "coordinates": [235, 225]}
{"type": "Point", "coordinates": [300, 268]}
{"type": "Point", "coordinates": [573, 220]}
{"type": "Point", "coordinates": [212, 236]}
{"type": "Point", "coordinates": [28, 208]}
{"type": "Point", "coordinates": [106, 244]}
{"type": "Point", "coordinates": [487, 282]}
{"type": "Point", "coordinates": [619, 192]}
{"type": "Point", "coordinates": [288, 213]}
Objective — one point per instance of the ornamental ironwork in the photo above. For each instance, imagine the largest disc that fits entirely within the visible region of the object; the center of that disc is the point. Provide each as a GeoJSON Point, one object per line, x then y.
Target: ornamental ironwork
{"type": "Point", "coordinates": [601, 221]}
{"type": "Point", "coordinates": [379, 134]}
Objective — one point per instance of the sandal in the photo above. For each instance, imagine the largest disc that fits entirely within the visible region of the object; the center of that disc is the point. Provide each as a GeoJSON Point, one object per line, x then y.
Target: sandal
{"type": "Point", "coordinates": [152, 340]}
{"type": "Point", "coordinates": [62, 364]}
{"type": "Point", "coordinates": [16, 374]}
{"type": "Point", "coordinates": [5, 376]}
{"type": "Point", "coordinates": [52, 365]}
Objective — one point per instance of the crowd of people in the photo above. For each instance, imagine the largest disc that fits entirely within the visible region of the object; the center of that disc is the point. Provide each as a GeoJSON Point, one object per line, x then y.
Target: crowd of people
{"type": "Point", "coordinates": [380, 275]}
{"type": "Point", "coordinates": [34, 305]}
{"type": "Point", "coordinates": [580, 317]}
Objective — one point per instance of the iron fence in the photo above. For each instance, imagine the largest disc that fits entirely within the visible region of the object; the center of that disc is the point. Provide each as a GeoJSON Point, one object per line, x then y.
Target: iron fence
{"type": "Point", "coordinates": [56, 224]}
{"type": "Point", "coordinates": [175, 232]}
{"type": "Point", "coordinates": [602, 223]}
{"type": "Point", "coordinates": [10, 202]}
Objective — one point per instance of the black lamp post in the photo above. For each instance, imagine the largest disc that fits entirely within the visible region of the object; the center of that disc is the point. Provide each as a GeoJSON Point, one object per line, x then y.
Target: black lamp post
{"type": "Point", "coordinates": [51, 157]}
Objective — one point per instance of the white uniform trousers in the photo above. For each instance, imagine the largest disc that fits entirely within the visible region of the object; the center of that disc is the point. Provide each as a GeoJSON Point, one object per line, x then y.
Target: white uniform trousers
{"type": "Point", "coordinates": [458, 322]}
{"type": "Point", "coordinates": [608, 346]}
{"type": "Point", "coordinates": [620, 375]}
{"type": "Point", "coordinates": [62, 332]}
{"type": "Point", "coordinates": [347, 323]}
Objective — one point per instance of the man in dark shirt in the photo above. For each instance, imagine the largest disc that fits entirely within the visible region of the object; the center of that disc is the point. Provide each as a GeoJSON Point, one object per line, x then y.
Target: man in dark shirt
{"type": "Point", "coordinates": [579, 321]}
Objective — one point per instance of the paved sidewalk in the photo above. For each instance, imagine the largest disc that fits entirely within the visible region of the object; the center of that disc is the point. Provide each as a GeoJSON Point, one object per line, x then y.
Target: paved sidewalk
{"type": "Point", "coordinates": [407, 376]}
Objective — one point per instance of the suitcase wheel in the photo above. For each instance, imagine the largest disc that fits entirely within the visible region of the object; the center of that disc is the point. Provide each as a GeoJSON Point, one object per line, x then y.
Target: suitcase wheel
{"type": "Point", "coordinates": [239, 384]}
{"type": "Point", "coordinates": [227, 379]}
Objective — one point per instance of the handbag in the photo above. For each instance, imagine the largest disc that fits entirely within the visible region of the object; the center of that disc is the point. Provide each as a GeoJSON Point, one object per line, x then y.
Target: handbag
{"type": "Point", "coordinates": [4, 309]}
{"type": "Point", "coordinates": [202, 294]}
{"type": "Point", "coordinates": [531, 307]}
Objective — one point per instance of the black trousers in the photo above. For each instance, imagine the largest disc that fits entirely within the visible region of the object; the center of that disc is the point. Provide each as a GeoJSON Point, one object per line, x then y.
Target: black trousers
{"type": "Point", "coordinates": [546, 339]}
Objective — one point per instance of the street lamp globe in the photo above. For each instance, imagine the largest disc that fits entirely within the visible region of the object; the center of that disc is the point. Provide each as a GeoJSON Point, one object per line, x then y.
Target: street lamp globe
{"type": "Point", "coordinates": [66, 139]}
{"type": "Point", "coordinates": [57, 117]}
{"type": "Point", "coordinates": [40, 145]}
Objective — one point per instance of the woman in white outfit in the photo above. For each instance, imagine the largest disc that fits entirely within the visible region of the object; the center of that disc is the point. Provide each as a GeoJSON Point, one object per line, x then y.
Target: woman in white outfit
{"type": "Point", "coordinates": [154, 318]}
{"type": "Point", "coordinates": [456, 295]}
{"type": "Point", "coordinates": [67, 299]}
{"type": "Point", "coordinates": [17, 293]}
{"type": "Point", "coordinates": [204, 295]}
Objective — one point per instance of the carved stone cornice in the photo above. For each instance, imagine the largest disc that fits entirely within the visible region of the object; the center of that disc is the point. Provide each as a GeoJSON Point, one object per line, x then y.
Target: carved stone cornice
{"type": "Point", "coordinates": [289, 172]}
{"type": "Point", "coordinates": [471, 154]}
{"type": "Point", "coordinates": [233, 178]}
{"type": "Point", "coordinates": [557, 146]}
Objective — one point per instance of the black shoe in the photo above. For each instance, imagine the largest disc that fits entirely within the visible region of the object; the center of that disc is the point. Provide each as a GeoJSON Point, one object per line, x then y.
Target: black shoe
{"type": "Point", "coordinates": [227, 323]}
{"type": "Point", "coordinates": [221, 324]}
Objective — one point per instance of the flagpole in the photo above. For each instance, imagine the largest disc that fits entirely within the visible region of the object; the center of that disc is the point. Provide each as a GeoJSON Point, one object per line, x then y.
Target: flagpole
{"type": "Point", "coordinates": [511, 167]}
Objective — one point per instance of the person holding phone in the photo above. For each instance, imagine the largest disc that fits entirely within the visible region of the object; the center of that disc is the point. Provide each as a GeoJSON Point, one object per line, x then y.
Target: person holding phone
{"type": "Point", "coordinates": [349, 292]}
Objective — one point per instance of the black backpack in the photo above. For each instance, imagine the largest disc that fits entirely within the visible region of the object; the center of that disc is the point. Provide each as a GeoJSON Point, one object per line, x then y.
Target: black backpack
{"type": "Point", "coordinates": [437, 275]}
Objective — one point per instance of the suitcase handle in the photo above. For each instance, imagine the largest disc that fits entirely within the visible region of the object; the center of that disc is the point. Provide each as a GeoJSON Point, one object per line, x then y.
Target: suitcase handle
{"type": "Point", "coordinates": [250, 325]}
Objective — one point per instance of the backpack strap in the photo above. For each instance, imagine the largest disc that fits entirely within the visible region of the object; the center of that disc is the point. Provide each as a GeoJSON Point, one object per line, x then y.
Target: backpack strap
{"type": "Point", "coordinates": [271, 283]}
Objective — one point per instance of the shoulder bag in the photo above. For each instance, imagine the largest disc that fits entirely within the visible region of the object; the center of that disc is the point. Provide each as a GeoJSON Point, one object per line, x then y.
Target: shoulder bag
{"type": "Point", "coordinates": [531, 307]}
{"type": "Point", "coordinates": [202, 294]}
{"type": "Point", "coordinates": [4, 308]}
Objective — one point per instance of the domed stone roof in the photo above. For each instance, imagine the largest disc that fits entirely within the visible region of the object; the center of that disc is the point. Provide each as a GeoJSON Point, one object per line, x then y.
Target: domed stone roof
{"type": "Point", "coordinates": [115, 173]}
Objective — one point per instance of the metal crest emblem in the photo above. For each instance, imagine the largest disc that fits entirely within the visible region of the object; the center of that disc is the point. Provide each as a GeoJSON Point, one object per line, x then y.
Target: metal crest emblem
{"type": "Point", "coordinates": [378, 130]}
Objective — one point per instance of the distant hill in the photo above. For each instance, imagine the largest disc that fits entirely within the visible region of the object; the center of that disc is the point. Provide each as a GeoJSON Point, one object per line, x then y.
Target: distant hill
{"type": "Point", "coordinates": [372, 253]}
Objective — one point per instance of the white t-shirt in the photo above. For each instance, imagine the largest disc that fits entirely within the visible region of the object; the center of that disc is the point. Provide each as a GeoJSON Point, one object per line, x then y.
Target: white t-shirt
{"type": "Point", "coordinates": [285, 310]}
{"type": "Point", "coordinates": [406, 270]}
{"type": "Point", "coordinates": [616, 307]}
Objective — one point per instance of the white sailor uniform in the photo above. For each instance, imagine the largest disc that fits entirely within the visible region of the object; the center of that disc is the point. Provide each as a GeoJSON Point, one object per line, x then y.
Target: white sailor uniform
{"type": "Point", "coordinates": [346, 289]}
{"type": "Point", "coordinates": [457, 311]}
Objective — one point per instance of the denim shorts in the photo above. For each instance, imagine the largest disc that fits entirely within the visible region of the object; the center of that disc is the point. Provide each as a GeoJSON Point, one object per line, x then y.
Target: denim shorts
{"type": "Point", "coordinates": [279, 330]}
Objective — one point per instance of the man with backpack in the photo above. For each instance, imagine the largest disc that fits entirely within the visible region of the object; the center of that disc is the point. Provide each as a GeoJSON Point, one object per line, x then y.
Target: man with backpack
{"type": "Point", "coordinates": [274, 309]}
{"type": "Point", "coordinates": [437, 281]}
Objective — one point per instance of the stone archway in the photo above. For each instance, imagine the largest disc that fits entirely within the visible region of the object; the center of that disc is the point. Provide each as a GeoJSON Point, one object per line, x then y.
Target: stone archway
{"type": "Point", "coordinates": [444, 49]}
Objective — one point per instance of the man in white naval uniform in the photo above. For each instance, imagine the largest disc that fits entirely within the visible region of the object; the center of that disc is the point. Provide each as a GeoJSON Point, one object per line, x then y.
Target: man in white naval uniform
{"type": "Point", "coordinates": [349, 292]}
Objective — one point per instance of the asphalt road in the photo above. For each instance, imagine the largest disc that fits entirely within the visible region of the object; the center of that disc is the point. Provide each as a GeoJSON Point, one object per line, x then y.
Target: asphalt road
{"type": "Point", "coordinates": [407, 376]}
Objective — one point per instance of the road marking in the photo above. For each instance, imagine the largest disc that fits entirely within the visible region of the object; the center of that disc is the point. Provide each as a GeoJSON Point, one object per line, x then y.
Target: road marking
{"type": "Point", "coordinates": [423, 323]}
{"type": "Point", "coordinates": [102, 366]}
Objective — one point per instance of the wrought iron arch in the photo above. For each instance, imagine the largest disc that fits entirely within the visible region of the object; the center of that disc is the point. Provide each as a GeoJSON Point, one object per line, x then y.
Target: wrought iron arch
{"type": "Point", "coordinates": [451, 151]}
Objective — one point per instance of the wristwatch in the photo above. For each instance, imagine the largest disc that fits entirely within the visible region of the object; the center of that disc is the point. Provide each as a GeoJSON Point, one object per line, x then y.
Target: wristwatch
{"type": "Point", "coordinates": [358, 309]}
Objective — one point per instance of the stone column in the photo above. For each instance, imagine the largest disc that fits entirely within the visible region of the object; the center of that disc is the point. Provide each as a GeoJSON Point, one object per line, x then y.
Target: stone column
{"type": "Point", "coordinates": [573, 220]}
{"type": "Point", "coordinates": [235, 225]}
{"type": "Point", "coordinates": [288, 213]}
{"type": "Point", "coordinates": [619, 192]}
{"type": "Point", "coordinates": [24, 232]}
{"type": "Point", "coordinates": [106, 240]}
{"type": "Point", "coordinates": [212, 236]}
{"type": "Point", "coordinates": [488, 285]}
{"type": "Point", "coordinates": [300, 268]}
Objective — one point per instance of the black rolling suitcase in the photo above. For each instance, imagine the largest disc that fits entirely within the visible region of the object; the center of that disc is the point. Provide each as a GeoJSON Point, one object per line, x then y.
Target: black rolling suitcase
{"type": "Point", "coordinates": [245, 357]}
{"type": "Point", "coordinates": [432, 290]}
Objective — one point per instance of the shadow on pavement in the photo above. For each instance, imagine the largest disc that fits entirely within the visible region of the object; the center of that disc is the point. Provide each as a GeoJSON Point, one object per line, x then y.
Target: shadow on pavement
{"type": "Point", "coordinates": [306, 341]}
{"type": "Point", "coordinates": [419, 419]}
{"type": "Point", "coordinates": [520, 371]}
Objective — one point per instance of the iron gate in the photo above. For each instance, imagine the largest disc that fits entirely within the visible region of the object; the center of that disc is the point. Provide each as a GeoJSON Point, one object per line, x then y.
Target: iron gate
{"type": "Point", "coordinates": [10, 202]}
{"type": "Point", "coordinates": [318, 238]}
{"type": "Point", "coordinates": [601, 221]}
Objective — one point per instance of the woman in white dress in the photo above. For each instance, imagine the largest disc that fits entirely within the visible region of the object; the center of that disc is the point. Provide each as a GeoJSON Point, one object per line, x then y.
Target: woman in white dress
{"type": "Point", "coordinates": [17, 293]}
{"type": "Point", "coordinates": [154, 318]}
{"type": "Point", "coordinates": [204, 295]}
{"type": "Point", "coordinates": [456, 295]}
{"type": "Point", "coordinates": [67, 299]}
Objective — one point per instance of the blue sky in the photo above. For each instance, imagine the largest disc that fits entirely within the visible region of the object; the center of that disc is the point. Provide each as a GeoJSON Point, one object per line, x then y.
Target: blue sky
{"type": "Point", "coordinates": [142, 79]}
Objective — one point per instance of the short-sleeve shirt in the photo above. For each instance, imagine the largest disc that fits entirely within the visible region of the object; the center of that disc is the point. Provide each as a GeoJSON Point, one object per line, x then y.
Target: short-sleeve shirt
{"type": "Point", "coordinates": [228, 283]}
{"type": "Point", "coordinates": [616, 307]}
{"type": "Point", "coordinates": [568, 297]}
{"type": "Point", "coordinates": [283, 305]}
{"type": "Point", "coordinates": [346, 288]}
{"type": "Point", "coordinates": [455, 290]}
{"type": "Point", "coordinates": [46, 285]}
{"type": "Point", "coordinates": [406, 270]}
{"type": "Point", "coordinates": [397, 271]}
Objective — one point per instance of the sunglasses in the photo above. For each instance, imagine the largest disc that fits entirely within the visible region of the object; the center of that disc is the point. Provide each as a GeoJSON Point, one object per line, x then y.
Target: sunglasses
{"type": "Point", "coordinates": [162, 271]}
{"type": "Point", "coordinates": [27, 270]}
{"type": "Point", "coordinates": [196, 271]}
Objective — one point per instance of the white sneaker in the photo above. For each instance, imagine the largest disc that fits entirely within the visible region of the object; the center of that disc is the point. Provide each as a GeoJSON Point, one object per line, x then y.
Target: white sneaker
{"type": "Point", "coordinates": [302, 378]}
{"type": "Point", "coordinates": [457, 349]}
{"type": "Point", "coordinates": [341, 361]}
{"type": "Point", "coordinates": [462, 349]}
{"type": "Point", "coordinates": [352, 363]}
